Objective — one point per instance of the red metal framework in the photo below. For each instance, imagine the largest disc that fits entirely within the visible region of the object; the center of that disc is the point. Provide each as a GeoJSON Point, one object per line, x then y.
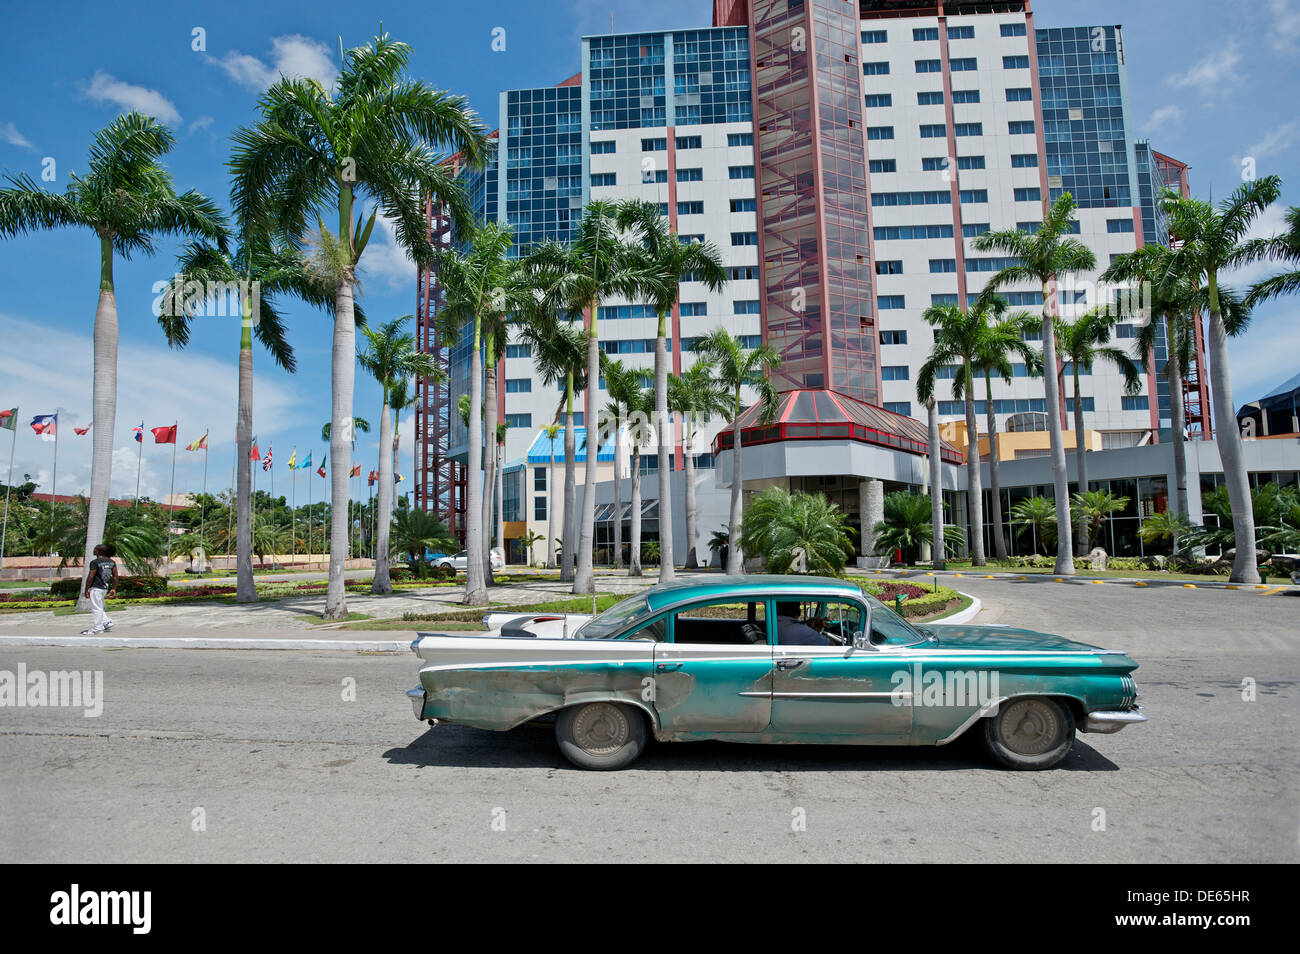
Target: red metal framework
{"type": "Point", "coordinates": [823, 415]}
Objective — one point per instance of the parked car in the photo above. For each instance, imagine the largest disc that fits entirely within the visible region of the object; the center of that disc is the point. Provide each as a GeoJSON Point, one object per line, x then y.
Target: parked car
{"type": "Point", "coordinates": [686, 661]}
{"type": "Point", "coordinates": [459, 561]}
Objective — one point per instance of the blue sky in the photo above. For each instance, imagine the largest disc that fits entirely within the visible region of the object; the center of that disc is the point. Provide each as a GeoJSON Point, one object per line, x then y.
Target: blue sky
{"type": "Point", "coordinates": [1211, 83]}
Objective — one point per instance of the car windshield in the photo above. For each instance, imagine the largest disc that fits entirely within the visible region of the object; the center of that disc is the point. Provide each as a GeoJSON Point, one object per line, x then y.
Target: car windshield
{"type": "Point", "coordinates": [613, 620]}
{"type": "Point", "coordinates": [890, 629]}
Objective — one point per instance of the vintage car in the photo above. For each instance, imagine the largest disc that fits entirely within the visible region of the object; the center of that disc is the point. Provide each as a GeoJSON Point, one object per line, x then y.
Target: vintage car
{"type": "Point", "coordinates": [715, 660]}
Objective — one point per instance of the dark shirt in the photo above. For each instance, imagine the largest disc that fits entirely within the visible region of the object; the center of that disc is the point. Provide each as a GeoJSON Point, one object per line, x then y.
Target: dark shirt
{"type": "Point", "coordinates": [791, 632]}
{"type": "Point", "coordinates": [100, 575]}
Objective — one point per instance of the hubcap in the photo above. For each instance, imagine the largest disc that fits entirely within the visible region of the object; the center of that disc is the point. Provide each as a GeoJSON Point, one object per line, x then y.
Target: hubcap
{"type": "Point", "coordinates": [1030, 727]}
{"type": "Point", "coordinates": [601, 728]}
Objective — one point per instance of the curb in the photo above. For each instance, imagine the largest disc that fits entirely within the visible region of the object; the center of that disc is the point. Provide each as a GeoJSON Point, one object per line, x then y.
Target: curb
{"type": "Point", "coordinates": [203, 642]}
{"type": "Point", "coordinates": [1209, 583]}
{"type": "Point", "coordinates": [963, 616]}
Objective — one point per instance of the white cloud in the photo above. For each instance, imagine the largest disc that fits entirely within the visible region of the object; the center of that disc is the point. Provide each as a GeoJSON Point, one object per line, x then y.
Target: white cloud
{"type": "Point", "coordinates": [104, 87]}
{"type": "Point", "coordinates": [1213, 74]}
{"type": "Point", "coordinates": [385, 260]}
{"type": "Point", "coordinates": [154, 383]}
{"type": "Point", "coordinates": [9, 133]}
{"type": "Point", "coordinates": [1277, 140]}
{"type": "Point", "coordinates": [1164, 116]}
{"type": "Point", "coordinates": [293, 55]}
{"type": "Point", "coordinates": [1267, 225]}
{"type": "Point", "coordinates": [1286, 24]}
{"type": "Point", "coordinates": [203, 122]}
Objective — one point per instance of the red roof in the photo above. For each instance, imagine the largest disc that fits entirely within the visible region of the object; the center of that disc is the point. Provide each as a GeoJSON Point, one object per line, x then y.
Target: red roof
{"type": "Point", "coordinates": [122, 502]}
{"type": "Point", "coordinates": [818, 414]}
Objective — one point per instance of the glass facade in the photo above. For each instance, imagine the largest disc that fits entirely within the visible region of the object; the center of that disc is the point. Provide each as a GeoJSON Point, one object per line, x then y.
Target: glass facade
{"type": "Point", "coordinates": [543, 163]}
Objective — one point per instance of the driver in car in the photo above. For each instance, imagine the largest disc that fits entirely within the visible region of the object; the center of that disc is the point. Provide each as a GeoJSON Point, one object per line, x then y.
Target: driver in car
{"type": "Point", "coordinates": [791, 632]}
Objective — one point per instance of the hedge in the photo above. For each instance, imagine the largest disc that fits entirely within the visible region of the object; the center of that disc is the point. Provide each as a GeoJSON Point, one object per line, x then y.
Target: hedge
{"type": "Point", "coordinates": [127, 586]}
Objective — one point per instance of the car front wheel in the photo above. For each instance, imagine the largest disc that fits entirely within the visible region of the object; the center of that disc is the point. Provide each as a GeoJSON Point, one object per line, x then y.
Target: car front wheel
{"type": "Point", "coordinates": [1030, 734]}
{"type": "Point", "coordinates": [601, 735]}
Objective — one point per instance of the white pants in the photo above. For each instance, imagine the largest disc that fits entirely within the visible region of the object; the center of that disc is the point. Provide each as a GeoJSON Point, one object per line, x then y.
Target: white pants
{"type": "Point", "coordinates": [99, 617]}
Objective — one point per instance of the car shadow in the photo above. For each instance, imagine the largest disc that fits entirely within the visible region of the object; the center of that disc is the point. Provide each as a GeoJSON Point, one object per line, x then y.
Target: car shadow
{"type": "Point", "coordinates": [534, 747]}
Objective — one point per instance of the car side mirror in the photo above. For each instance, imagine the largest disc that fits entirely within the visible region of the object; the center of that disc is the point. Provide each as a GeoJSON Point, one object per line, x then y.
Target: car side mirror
{"type": "Point", "coordinates": [860, 640]}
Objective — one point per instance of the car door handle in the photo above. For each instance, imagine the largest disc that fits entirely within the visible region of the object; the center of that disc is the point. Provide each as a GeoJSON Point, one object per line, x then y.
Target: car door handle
{"type": "Point", "coordinates": [667, 667]}
{"type": "Point", "coordinates": [784, 664]}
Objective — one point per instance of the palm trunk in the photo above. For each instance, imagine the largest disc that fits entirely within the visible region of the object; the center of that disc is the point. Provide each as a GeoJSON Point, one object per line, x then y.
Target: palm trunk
{"type": "Point", "coordinates": [688, 460]}
{"type": "Point", "coordinates": [664, 430]}
{"type": "Point", "coordinates": [1174, 371]}
{"type": "Point", "coordinates": [550, 509]}
{"type": "Point", "coordinates": [995, 488]}
{"type": "Point", "coordinates": [1228, 437]}
{"type": "Point", "coordinates": [735, 560]}
{"type": "Point", "coordinates": [1060, 479]}
{"type": "Point", "coordinates": [570, 487]}
{"type": "Point", "coordinates": [1081, 461]}
{"type": "Point", "coordinates": [489, 456]}
{"type": "Point", "coordinates": [584, 581]}
{"type": "Point", "coordinates": [937, 545]}
{"type": "Point", "coordinates": [343, 376]}
{"type": "Point", "coordinates": [475, 586]}
{"type": "Point", "coordinates": [618, 494]}
{"type": "Point", "coordinates": [974, 488]}
{"type": "Point", "coordinates": [104, 391]}
{"type": "Point", "coordinates": [634, 563]}
{"type": "Point", "coordinates": [245, 589]}
{"type": "Point", "coordinates": [382, 582]}
{"type": "Point", "coordinates": [501, 500]}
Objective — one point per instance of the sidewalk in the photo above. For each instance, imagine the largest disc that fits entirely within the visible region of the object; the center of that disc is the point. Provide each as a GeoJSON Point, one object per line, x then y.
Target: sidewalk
{"type": "Point", "coordinates": [1081, 577]}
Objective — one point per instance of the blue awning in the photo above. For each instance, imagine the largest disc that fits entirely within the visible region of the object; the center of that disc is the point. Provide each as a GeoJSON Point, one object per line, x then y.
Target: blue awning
{"type": "Point", "coordinates": [540, 451]}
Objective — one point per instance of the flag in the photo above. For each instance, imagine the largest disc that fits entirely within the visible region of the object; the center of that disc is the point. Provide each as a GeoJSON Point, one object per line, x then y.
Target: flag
{"type": "Point", "coordinates": [253, 454]}
{"type": "Point", "coordinates": [266, 461]}
{"type": "Point", "coordinates": [81, 431]}
{"type": "Point", "coordinates": [45, 424]}
{"type": "Point", "coordinates": [355, 471]}
{"type": "Point", "coordinates": [374, 475]}
{"type": "Point", "coordinates": [306, 462]}
{"type": "Point", "coordinates": [293, 459]}
{"type": "Point", "coordinates": [200, 444]}
{"type": "Point", "coordinates": [9, 418]}
{"type": "Point", "coordinates": [164, 435]}
{"type": "Point", "coordinates": [399, 479]}
{"type": "Point", "coordinates": [139, 433]}
{"type": "Point", "coordinates": [321, 469]}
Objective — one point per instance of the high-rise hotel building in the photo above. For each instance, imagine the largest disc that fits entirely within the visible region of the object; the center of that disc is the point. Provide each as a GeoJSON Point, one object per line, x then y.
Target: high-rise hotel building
{"type": "Point", "coordinates": [842, 154]}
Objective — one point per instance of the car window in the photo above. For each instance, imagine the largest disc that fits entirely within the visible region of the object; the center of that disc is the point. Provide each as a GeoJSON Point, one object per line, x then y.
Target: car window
{"type": "Point", "coordinates": [656, 631]}
{"type": "Point", "coordinates": [721, 621]}
{"type": "Point", "coordinates": [816, 622]}
{"type": "Point", "coordinates": [614, 620]}
{"type": "Point", "coordinates": [890, 629]}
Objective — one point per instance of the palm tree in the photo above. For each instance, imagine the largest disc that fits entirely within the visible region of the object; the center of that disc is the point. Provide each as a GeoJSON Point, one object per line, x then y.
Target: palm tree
{"type": "Point", "coordinates": [316, 151]}
{"type": "Point", "coordinates": [127, 199]}
{"type": "Point", "coordinates": [262, 271]}
{"type": "Point", "coordinates": [1211, 240]}
{"type": "Point", "coordinates": [697, 398]}
{"type": "Point", "coordinates": [482, 285]}
{"type": "Point", "coordinates": [1038, 514]}
{"type": "Point", "coordinates": [907, 524]}
{"type": "Point", "coordinates": [1095, 505]}
{"type": "Point", "coordinates": [1172, 525]}
{"type": "Point", "coordinates": [391, 358]}
{"type": "Point", "coordinates": [531, 539]}
{"type": "Point", "coordinates": [640, 410]}
{"type": "Point", "coordinates": [781, 526]}
{"type": "Point", "coordinates": [415, 531]}
{"type": "Point", "coordinates": [1082, 343]}
{"type": "Point", "coordinates": [551, 431]}
{"type": "Point", "coordinates": [1284, 248]}
{"type": "Point", "coordinates": [935, 463]}
{"type": "Point", "coordinates": [979, 337]}
{"type": "Point", "coordinates": [1045, 257]}
{"type": "Point", "coordinates": [359, 424]}
{"type": "Point", "coordinates": [597, 264]}
{"type": "Point", "coordinates": [621, 384]}
{"type": "Point", "coordinates": [735, 367]}
{"type": "Point", "coordinates": [667, 261]}
{"type": "Point", "coordinates": [559, 355]}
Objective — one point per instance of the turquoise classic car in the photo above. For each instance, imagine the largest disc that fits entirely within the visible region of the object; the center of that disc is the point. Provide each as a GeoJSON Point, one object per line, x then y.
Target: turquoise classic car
{"type": "Point", "coordinates": [777, 659]}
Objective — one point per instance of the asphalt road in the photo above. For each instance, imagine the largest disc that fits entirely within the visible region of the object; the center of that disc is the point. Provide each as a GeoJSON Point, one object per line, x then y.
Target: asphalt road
{"type": "Point", "coordinates": [265, 750]}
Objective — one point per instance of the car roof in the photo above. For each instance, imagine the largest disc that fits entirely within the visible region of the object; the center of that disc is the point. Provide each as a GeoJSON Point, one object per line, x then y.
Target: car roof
{"type": "Point", "coordinates": [750, 586]}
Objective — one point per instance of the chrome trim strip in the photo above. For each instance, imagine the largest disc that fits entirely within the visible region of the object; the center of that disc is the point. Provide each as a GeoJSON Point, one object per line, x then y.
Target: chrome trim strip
{"type": "Point", "coordinates": [975, 717]}
{"type": "Point", "coordinates": [830, 695]}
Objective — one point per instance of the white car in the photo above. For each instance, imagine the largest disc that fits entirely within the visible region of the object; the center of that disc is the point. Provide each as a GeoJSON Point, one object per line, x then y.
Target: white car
{"type": "Point", "coordinates": [459, 561]}
{"type": "Point", "coordinates": [537, 625]}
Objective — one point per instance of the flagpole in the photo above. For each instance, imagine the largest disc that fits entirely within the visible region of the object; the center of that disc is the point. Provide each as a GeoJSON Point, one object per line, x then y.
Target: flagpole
{"type": "Point", "coordinates": [139, 459]}
{"type": "Point", "coordinates": [230, 514]}
{"type": "Point", "coordinates": [270, 452]}
{"type": "Point", "coordinates": [171, 494]}
{"type": "Point", "coordinates": [203, 496]}
{"type": "Point", "coordinates": [293, 509]}
{"type": "Point", "coordinates": [4, 530]}
{"type": "Point", "coordinates": [309, 518]}
{"type": "Point", "coordinates": [54, 493]}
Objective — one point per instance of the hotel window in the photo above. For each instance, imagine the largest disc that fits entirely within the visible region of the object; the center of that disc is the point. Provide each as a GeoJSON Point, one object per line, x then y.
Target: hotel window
{"type": "Point", "coordinates": [878, 99]}
{"type": "Point", "coordinates": [936, 197]}
{"type": "Point", "coordinates": [1119, 225]}
{"type": "Point", "coordinates": [650, 175]}
{"type": "Point", "coordinates": [654, 145]}
{"type": "Point", "coordinates": [880, 132]}
{"type": "Point", "coordinates": [518, 385]}
{"type": "Point", "coordinates": [875, 69]}
{"type": "Point", "coordinates": [744, 205]}
{"type": "Point", "coordinates": [1020, 94]}
{"type": "Point", "coordinates": [891, 302]}
{"type": "Point", "coordinates": [603, 147]}
{"type": "Point", "coordinates": [934, 131]}
{"type": "Point", "coordinates": [963, 64]}
{"type": "Point", "coordinates": [1021, 127]}
{"type": "Point", "coordinates": [741, 273]}
{"type": "Point", "coordinates": [894, 372]}
{"type": "Point", "coordinates": [970, 162]}
{"type": "Point", "coordinates": [934, 163]}
{"type": "Point", "coordinates": [930, 99]}
{"type": "Point", "coordinates": [968, 129]}
{"type": "Point", "coordinates": [961, 32]}
{"type": "Point", "coordinates": [539, 508]}
{"type": "Point", "coordinates": [972, 229]}
{"type": "Point", "coordinates": [921, 34]}
{"type": "Point", "coordinates": [1014, 29]}
{"type": "Point", "coordinates": [539, 479]}
{"type": "Point", "coordinates": [740, 172]}
{"type": "Point", "coordinates": [689, 142]}
{"type": "Point", "coordinates": [690, 208]}
{"type": "Point", "coordinates": [891, 267]}
{"type": "Point", "coordinates": [690, 175]}
{"type": "Point", "coordinates": [893, 337]}
{"type": "Point", "coordinates": [519, 420]}
{"type": "Point", "coordinates": [882, 165]}
{"type": "Point", "coordinates": [1126, 331]}
{"type": "Point", "coordinates": [965, 96]}
{"type": "Point", "coordinates": [1138, 402]}
{"type": "Point", "coordinates": [1015, 62]}
{"type": "Point", "coordinates": [899, 407]}
{"type": "Point", "coordinates": [1089, 405]}
{"type": "Point", "coordinates": [974, 195]}
{"type": "Point", "coordinates": [875, 36]}
{"type": "Point", "coordinates": [604, 179]}
{"type": "Point", "coordinates": [744, 238]}
{"type": "Point", "coordinates": [940, 265]}
{"type": "Point", "coordinates": [1024, 160]}
{"type": "Point", "coordinates": [694, 309]}
{"type": "Point", "coordinates": [889, 233]}
{"type": "Point", "coordinates": [519, 351]}
{"type": "Point", "coordinates": [947, 298]}
{"type": "Point", "coordinates": [929, 66]}
{"type": "Point", "coordinates": [745, 306]}
{"type": "Point", "coordinates": [740, 139]}
{"type": "Point", "coordinates": [1030, 194]}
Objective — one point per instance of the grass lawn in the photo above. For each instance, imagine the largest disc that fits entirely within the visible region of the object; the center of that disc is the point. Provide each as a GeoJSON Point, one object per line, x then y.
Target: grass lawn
{"type": "Point", "coordinates": [23, 585]}
{"type": "Point", "coordinates": [317, 620]}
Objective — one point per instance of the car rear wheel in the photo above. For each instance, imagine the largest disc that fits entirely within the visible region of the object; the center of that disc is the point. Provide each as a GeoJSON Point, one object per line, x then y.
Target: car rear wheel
{"type": "Point", "coordinates": [601, 735]}
{"type": "Point", "coordinates": [1030, 733]}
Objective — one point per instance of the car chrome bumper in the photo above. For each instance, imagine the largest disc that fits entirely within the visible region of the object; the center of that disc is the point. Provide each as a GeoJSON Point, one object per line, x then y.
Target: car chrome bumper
{"type": "Point", "coordinates": [416, 696]}
{"type": "Point", "coordinates": [1108, 720]}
